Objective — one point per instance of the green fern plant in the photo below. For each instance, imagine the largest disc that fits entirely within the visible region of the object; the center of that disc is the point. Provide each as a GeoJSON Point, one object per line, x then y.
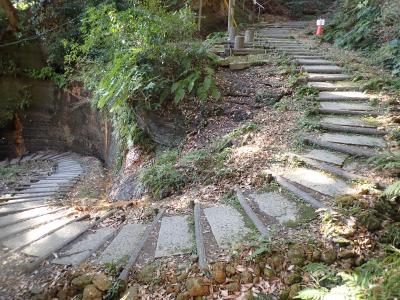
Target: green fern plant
{"type": "Point", "coordinates": [393, 190]}
{"type": "Point", "coordinates": [387, 161]}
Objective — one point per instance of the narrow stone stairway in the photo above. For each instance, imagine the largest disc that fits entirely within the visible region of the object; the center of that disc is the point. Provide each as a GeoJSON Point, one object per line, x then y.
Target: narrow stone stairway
{"type": "Point", "coordinates": [342, 113]}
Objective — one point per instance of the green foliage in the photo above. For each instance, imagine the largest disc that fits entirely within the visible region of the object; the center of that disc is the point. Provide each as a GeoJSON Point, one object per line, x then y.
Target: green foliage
{"type": "Point", "coordinates": [379, 278]}
{"type": "Point", "coordinates": [393, 190]}
{"type": "Point", "coordinates": [369, 25]}
{"type": "Point", "coordinates": [391, 235]}
{"type": "Point", "coordinates": [114, 290]}
{"type": "Point", "coordinates": [387, 161]}
{"type": "Point", "coordinates": [10, 106]}
{"type": "Point", "coordinates": [9, 171]}
{"type": "Point", "coordinates": [142, 55]}
{"type": "Point", "coordinates": [48, 73]}
{"type": "Point", "coordinates": [162, 177]}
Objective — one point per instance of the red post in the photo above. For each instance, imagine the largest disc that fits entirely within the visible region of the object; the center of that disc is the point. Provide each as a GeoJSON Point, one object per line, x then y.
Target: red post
{"type": "Point", "coordinates": [320, 27]}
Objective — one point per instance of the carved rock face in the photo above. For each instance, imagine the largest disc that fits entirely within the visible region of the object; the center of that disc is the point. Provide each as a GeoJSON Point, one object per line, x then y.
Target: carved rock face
{"type": "Point", "coordinates": [165, 127]}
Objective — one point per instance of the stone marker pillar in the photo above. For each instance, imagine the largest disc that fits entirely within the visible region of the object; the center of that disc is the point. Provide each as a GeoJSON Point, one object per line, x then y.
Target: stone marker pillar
{"type": "Point", "coordinates": [239, 42]}
{"type": "Point", "coordinates": [249, 36]}
{"type": "Point", "coordinates": [232, 34]}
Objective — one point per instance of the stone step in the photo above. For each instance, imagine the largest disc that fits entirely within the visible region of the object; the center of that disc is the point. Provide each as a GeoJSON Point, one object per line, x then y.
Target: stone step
{"type": "Point", "coordinates": [322, 69]}
{"type": "Point", "coordinates": [318, 182]}
{"type": "Point", "coordinates": [22, 226]}
{"type": "Point", "coordinates": [337, 86]}
{"type": "Point", "coordinates": [356, 151]}
{"type": "Point", "coordinates": [306, 196]}
{"type": "Point", "coordinates": [343, 96]}
{"type": "Point", "coordinates": [175, 237]}
{"type": "Point", "coordinates": [84, 247]}
{"type": "Point", "coordinates": [20, 207]}
{"type": "Point", "coordinates": [329, 168]}
{"type": "Point", "coordinates": [346, 121]}
{"type": "Point", "coordinates": [313, 62]}
{"type": "Point", "coordinates": [352, 139]}
{"type": "Point", "coordinates": [297, 52]}
{"type": "Point", "coordinates": [22, 216]}
{"type": "Point", "coordinates": [347, 107]}
{"type": "Point", "coordinates": [310, 77]}
{"type": "Point", "coordinates": [227, 225]}
{"type": "Point", "coordinates": [127, 239]}
{"type": "Point", "coordinates": [309, 56]}
{"type": "Point", "coordinates": [351, 129]}
{"type": "Point", "coordinates": [24, 197]}
{"type": "Point", "coordinates": [30, 236]}
{"type": "Point", "coordinates": [52, 241]}
{"type": "Point", "coordinates": [334, 158]}
{"type": "Point", "coordinates": [276, 205]}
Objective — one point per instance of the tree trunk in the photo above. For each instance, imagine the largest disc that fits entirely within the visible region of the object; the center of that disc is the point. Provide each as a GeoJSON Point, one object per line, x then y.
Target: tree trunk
{"type": "Point", "coordinates": [11, 13]}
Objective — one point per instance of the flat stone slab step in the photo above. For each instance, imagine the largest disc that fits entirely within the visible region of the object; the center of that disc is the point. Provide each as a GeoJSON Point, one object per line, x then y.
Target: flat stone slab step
{"type": "Point", "coordinates": [327, 77]}
{"type": "Point", "coordinates": [53, 241]}
{"type": "Point", "coordinates": [276, 205]}
{"type": "Point", "coordinates": [32, 235]}
{"type": "Point", "coordinates": [309, 56]}
{"type": "Point", "coordinates": [322, 69]}
{"type": "Point", "coordinates": [319, 182]}
{"type": "Point", "coordinates": [347, 106]}
{"type": "Point", "coordinates": [227, 225]}
{"type": "Point", "coordinates": [343, 96]}
{"type": "Point", "coordinates": [19, 207]}
{"type": "Point", "coordinates": [313, 62]}
{"type": "Point", "coordinates": [337, 86]}
{"type": "Point", "coordinates": [29, 224]}
{"type": "Point", "coordinates": [346, 121]}
{"type": "Point", "coordinates": [327, 156]}
{"type": "Point", "coordinates": [127, 240]}
{"type": "Point", "coordinates": [19, 217]}
{"type": "Point", "coordinates": [175, 237]}
{"type": "Point", "coordinates": [353, 139]}
{"type": "Point", "coordinates": [82, 249]}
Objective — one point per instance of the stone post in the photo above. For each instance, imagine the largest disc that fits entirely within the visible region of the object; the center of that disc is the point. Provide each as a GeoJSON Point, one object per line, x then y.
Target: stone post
{"type": "Point", "coordinates": [232, 34]}
{"type": "Point", "coordinates": [249, 36]}
{"type": "Point", "coordinates": [239, 42]}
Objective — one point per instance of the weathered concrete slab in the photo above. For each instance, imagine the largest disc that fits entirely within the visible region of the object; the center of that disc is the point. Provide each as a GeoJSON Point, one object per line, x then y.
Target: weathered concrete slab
{"type": "Point", "coordinates": [80, 250]}
{"type": "Point", "coordinates": [346, 106]}
{"type": "Point", "coordinates": [322, 69]}
{"type": "Point", "coordinates": [227, 225]}
{"type": "Point", "coordinates": [277, 206]}
{"type": "Point", "coordinates": [327, 156]}
{"type": "Point", "coordinates": [343, 96]}
{"type": "Point", "coordinates": [31, 223]}
{"type": "Point", "coordinates": [353, 139]}
{"type": "Point", "coordinates": [318, 182]}
{"type": "Point", "coordinates": [175, 237]}
{"type": "Point", "coordinates": [32, 235]}
{"type": "Point", "coordinates": [11, 219]}
{"type": "Point", "coordinates": [124, 243]}
{"type": "Point", "coordinates": [18, 207]}
{"type": "Point", "coordinates": [337, 86]}
{"type": "Point", "coordinates": [313, 62]}
{"type": "Point", "coordinates": [56, 239]}
{"type": "Point", "coordinates": [327, 77]}
{"type": "Point", "coordinates": [308, 56]}
{"type": "Point", "coordinates": [346, 121]}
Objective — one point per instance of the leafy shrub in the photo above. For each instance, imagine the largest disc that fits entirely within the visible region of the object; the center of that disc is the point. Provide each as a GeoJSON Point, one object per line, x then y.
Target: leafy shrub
{"type": "Point", "coordinates": [162, 178]}
{"type": "Point", "coordinates": [377, 279]}
{"type": "Point", "coordinates": [369, 25]}
{"type": "Point", "coordinates": [142, 55]}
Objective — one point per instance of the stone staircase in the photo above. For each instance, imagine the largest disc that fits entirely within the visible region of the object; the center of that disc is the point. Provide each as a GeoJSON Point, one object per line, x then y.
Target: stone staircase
{"type": "Point", "coordinates": [31, 224]}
